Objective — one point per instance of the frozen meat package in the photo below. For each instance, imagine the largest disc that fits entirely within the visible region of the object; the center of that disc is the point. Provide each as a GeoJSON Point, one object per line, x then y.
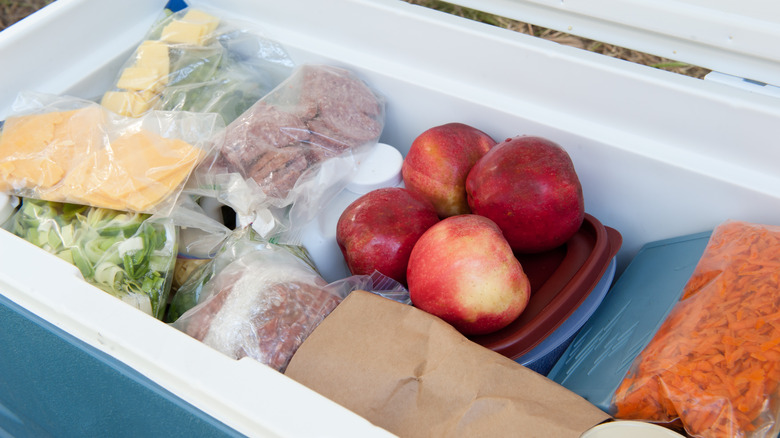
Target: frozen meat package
{"type": "Point", "coordinates": [261, 300]}
{"type": "Point", "coordinates": [294, 149]}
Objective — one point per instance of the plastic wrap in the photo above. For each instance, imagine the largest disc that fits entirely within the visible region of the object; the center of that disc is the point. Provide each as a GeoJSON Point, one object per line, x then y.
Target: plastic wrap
{"type": "Point", "coordinates": [129, 255]}
{"type": "Point", "coordinates": [200, 237]}
{"type": "Point", "coordinates": [192, 60]}
{"type": "Point", "coordinates": [261, 300]}
{"type": "Point", "coordinates": [65, 149]}
{"type": "Point", "coordinates": [295, 149]}
{"type": "Point", "coordinates": [714, 363]}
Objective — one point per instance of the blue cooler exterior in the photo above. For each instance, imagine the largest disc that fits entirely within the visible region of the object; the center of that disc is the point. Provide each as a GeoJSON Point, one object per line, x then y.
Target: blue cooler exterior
{"type": "Point", "coordinates": [54, 385]}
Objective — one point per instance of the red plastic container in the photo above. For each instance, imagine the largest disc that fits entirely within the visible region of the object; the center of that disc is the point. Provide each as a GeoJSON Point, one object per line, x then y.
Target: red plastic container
{"type": "Point", "coordinates": [560, 280]}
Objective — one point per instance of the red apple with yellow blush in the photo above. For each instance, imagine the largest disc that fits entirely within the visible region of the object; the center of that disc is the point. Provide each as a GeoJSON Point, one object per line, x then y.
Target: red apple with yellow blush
{"type": "Point", "coordinates": [464, 271]}
{"type": "Point", "coordinates": [438, 162]}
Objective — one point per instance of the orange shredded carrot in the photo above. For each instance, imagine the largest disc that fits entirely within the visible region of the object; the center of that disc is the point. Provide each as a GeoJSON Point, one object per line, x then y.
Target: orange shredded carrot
{"type": "Point", "coordinates": [714, 364]}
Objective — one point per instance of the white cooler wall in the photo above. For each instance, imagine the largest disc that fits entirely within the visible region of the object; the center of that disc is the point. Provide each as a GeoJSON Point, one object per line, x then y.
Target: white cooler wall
{"type": "Point", "coordinates": [735, 37]}
{"type": "Point", "coordinates": [70, 45]}
{"type": "Point", "coordinates": [659, 154]}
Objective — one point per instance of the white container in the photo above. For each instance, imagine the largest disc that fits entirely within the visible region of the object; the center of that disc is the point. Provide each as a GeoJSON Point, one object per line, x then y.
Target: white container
{"type": "Point", "coordinates": [632, 429]}
{"type": "Point", "coordinates": [380, 168]}
{"type": "Point", "coordinates": [659, 154]}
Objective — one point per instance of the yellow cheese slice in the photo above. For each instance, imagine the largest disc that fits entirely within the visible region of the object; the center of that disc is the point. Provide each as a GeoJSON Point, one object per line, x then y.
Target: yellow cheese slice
{"type": "Point", "coordinates": [152, 49]}
{"type": "Point", "coordinates": [130, 103]}
{"type": "Point", "coordinates": [148, 155]}
{"type": "Point", "coordinates": [6, 169]}
{"type": "Point", "coordinates": [142, 78]}
{"type": "Point", "coordinates": [81, 180]}
{"type": "Point", "coordinates": [36, 150]}
{"type": "Point", "coordinates": [197, 16]}
{"type": "Point", "coordinates": [195, 27]}
{"type": "Point", "coordinates": [85, 128]}
{"type": "Point", "coordinates": [23, 151]}
{"type": "Point", "coordinates": [154, 54]}
{"type": "Point", "coordinates": [183, 32]}
{"type": "Point", "coordinates": [66, 157]}
{"type": "Point", "coordinates": [135, 172]}
{"type": "Point", "coordinates": [117, 101]}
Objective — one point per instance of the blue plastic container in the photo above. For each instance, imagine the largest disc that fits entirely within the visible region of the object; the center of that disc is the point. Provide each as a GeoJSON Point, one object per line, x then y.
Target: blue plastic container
{"type": "Point", "coordinates": [545, 355]}
{"type": "Point", "coordinates": [598, 358]}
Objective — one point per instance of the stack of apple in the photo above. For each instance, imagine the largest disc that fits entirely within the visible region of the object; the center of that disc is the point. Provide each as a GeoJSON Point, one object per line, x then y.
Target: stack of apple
{"type": "Point", "coordinates": [468, 206]}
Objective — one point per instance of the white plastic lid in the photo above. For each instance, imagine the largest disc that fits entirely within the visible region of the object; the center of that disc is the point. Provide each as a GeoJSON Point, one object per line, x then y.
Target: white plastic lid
{"type": "Point", "coordinates": [629, 428]}
{"type": "Point", "coordinates": [739, 38]}
{"type": "Point", "coordinates": [381, 167]}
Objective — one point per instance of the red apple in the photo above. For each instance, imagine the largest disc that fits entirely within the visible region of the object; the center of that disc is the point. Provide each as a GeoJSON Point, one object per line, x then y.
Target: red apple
{"type": "Point", "coordinates": [439, 161]}
{"type": "Point", "coordinates": [378, 231]}
{"type": "Point", "coordinates": [464, 271]}
{"type": "Point", "coordinates": [528, 186]}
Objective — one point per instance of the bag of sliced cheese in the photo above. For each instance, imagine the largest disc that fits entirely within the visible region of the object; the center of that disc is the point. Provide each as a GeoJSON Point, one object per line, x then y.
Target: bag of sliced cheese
{"type": "Point", "coordinates": [195, 60]}
{"type": "Point", "coordinates": [66, 149]}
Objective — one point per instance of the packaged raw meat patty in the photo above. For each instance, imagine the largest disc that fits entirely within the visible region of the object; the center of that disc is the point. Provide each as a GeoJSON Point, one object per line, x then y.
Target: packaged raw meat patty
{"type": "Point", "coordinates": [296, 147]}
{"type": "Point", "coordinates": [257, 299]}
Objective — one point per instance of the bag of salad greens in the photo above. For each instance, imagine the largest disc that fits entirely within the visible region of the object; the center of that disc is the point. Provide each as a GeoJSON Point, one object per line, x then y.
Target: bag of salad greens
{"type": "Point", "coordinates": [129, 255]}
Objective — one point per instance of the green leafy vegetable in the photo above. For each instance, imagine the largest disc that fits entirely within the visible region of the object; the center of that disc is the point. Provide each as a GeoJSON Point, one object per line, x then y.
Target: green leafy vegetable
{"type": "Point", "coordinates": [124, 254]}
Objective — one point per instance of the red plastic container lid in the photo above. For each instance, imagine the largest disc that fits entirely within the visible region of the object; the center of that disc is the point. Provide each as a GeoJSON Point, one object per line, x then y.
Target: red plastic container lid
{"type": "Point", "coordinates": [560, 280]}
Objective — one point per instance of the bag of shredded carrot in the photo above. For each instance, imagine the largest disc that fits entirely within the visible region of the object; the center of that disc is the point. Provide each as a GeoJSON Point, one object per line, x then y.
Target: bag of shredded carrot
{"type": "Point", "coordinates": [715, 361]}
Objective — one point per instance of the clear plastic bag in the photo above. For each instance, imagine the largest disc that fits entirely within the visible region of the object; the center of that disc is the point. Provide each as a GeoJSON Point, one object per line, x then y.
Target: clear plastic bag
{"type": "Point", "coordinates": [128, 255]}
{"type": "Point", "coordinates": [66, 149]}
{"type": "Point", "coordinates": [714, 363]}
{"type": "Point", "coordinates": [193, 60]}
{"type": "Point", "coordinates": [260, 300]}
{"type": "Point", "coordinates": [201, 234]}
{"type": "Point", "coordinates": [293, 150]}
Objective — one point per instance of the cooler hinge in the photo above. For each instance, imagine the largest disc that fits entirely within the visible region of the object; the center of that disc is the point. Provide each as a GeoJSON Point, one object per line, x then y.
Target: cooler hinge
{"type": "Point", "coordinates": [746, 84]}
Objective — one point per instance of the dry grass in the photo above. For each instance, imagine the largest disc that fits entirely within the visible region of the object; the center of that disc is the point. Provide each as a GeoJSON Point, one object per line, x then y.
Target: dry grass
{"type": "Point", "coordinates": [14, 10]}
{"type": "Point", "coordinates": [567, 39]}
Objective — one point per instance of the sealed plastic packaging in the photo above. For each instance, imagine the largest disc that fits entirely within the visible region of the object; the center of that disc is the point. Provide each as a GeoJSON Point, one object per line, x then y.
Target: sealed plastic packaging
{"type": "Point", "coordinates": [295, 149]}
{"type": "Point", "coordinates": [201, 234]}
{"type": "Point", "coordinates": [260, 300]}
{"type": "Point", "coordinates": [194, 60]}
{"type": "Point", "coordinates": [128, 255]}
{"type": "Point", "coordinates": [715, 361]}
{"type": "Point", "coordinates": [65, 149]}
{"type": "Point", "coordinates": [8, 205]}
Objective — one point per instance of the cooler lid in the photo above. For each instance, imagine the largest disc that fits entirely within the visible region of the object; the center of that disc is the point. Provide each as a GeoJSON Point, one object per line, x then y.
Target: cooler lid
{"type": "Point", "coordinates": [736, 37]}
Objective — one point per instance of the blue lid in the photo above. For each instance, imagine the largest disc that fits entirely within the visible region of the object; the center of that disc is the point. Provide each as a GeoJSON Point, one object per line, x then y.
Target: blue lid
{"type": "Point", "coordinates": [176, 5]}
{"type": "Point", "coordinates": [542, 357]}
{"type": "Point", "coordinates": [597, 359]}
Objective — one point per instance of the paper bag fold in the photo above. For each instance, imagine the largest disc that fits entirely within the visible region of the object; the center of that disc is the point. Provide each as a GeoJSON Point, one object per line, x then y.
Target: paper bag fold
{"type": "Point", "coordinates": [413, 374]}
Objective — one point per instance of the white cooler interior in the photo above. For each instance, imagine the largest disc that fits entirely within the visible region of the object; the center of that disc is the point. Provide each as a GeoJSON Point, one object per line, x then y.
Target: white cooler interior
{"type": "Point", "coordinates": [659, 155]}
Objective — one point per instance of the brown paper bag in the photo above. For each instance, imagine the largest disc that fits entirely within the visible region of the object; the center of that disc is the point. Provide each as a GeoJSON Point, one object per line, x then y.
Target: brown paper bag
{"type": "Point", "coordinates": [414, 375]}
